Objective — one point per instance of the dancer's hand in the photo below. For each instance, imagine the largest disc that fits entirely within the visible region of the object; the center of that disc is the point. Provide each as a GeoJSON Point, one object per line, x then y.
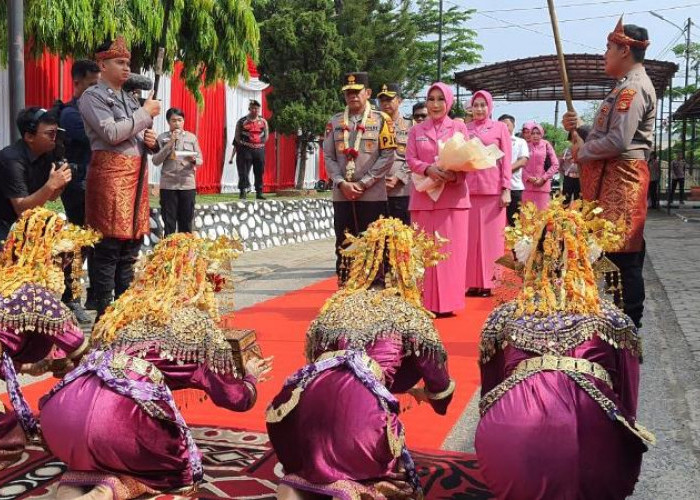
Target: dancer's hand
{"type": "Point", "coordinates": [259, 367]}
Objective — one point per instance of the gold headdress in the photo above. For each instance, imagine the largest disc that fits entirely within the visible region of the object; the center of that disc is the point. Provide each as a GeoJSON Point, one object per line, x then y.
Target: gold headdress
{"type": "Point", "coordinates": [34, 248]}
{"type": "Point", "coordinates": [401, 251]}
{"type": "Point", "coordinates": [117, 49]}
{"type": "Point", "coordinates": [558, 248]}
{"type": "Point", "coordinates": [183, 272]}
{"type": "Point", "coordinates": [618, 36]}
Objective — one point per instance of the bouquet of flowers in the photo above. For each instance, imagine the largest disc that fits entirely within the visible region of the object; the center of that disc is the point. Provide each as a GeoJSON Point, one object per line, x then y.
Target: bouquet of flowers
{"type": "Point", "coordinates": [461, 155]}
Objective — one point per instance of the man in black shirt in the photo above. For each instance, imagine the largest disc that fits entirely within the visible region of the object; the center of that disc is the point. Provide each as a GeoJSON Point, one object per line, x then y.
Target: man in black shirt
{"type": "Point", "coordinates": [29, 175]}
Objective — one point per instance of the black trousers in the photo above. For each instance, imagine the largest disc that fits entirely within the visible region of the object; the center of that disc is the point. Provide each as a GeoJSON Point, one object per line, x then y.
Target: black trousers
{"type": "Point", "coordinates": [112, 266]}
{"type": "Point", "coordinates": [245, 159]}
{"type": "Point", "coordinates": [73, 199]}
{"type": "Point", "coordinates": [353, 217]}
{"type": "Point", "coordinates": [512, 209]}
{"type": "Point", "coordinates": [654, 194]}
{"type": "Point", "coordinates": [631, 265]}
{"type": "Point", "coordinates": [398, 207]}
{"type": "Point", "coordinates": [681, 184]}
{"type": "Point", "coordinates": [177, 209]}
{"type": "Point", "coordinates": [571, 188]}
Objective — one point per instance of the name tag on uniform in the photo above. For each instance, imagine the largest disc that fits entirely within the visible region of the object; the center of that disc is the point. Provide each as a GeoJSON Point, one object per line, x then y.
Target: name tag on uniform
{"type": "Point", "coordinates": [422, 139]}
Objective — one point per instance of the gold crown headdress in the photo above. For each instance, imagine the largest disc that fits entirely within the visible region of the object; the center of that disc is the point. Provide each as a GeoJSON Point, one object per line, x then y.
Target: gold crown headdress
{"type": "Point", "coordinates": [557, 249]}
{"type": "Point", "coordinates": [34, 249]}
{"type": "Point", "coordinates": [401, 251]}
{"type": "Point", "coordinates": [183, 271]}
{"type": "Point", "coordinates": [619, 37]}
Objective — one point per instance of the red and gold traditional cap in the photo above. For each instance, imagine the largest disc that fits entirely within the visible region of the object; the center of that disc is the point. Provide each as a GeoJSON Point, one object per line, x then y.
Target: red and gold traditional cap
{"type": "Point", "coordinates": [618, 36]}
{"type": "Point", "coordinates": [118, 49]}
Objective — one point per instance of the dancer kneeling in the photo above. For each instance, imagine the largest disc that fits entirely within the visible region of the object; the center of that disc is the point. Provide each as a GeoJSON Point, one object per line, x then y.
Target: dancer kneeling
{"type": "Point", "coordinates": [113, 419]}
{"type": "Point", "coordinates": [38, 333]}
{"type": "Point", "coordinates": [560, 369]}
{"type": "Point", "coordinates": [335, 425]}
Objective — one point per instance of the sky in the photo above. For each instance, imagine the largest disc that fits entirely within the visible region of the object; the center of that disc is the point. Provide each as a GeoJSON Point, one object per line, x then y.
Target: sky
{"type": "Point", "coordinates": [507, 31]}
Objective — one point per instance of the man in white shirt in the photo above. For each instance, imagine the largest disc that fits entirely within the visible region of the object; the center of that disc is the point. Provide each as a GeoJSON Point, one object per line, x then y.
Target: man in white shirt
{"type": "Point", "coordinates": [520, 155]}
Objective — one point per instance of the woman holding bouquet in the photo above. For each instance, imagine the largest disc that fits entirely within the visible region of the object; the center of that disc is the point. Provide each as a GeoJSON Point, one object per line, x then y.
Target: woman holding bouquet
{"type": "Point", "coordinates": [448, 214]}
{"type": "Point", "coordinates": [490, 195]}
{"type": "Point", "coordinates": [539, 170]}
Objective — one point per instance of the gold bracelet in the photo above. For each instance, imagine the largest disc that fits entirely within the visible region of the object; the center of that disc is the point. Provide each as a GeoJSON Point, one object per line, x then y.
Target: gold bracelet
{"type": "Point", "coordinates": [435, 396]}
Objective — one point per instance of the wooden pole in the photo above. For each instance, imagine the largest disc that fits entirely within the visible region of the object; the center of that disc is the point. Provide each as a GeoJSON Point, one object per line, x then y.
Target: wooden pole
{"type": "Point", "coordinates": [560, 56]}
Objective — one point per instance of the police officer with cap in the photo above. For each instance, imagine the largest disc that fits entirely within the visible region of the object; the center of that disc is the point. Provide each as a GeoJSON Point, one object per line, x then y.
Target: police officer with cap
{"type": "Point", "coordinates": [398, 180]}
{"type": "Point", "coordinates": [359, 151]}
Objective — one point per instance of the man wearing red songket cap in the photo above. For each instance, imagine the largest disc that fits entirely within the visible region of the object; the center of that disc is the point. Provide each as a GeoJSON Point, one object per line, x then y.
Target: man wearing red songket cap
{"type": "Point", "coordinates": [116, 199]}
{"type": "Point", "coordinates": [613, 158]}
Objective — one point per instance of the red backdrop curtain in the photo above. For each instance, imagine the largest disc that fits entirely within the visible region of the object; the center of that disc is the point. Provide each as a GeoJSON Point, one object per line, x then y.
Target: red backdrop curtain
{"type": "Point", "coordinates": [208, 126]}
{"type": "Point", "coordinates": [41, 76]}
{"type": "Point", "coordinates": [284, 156]}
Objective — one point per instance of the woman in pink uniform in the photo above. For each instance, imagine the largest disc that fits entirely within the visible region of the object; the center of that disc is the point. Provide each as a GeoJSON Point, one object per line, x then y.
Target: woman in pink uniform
{"type": "Point", "coordinates": [489, 191]}
{"type": "Point", "coordinates": [539, 170]}
{"type": "Point", "coordinates": [448, 216]}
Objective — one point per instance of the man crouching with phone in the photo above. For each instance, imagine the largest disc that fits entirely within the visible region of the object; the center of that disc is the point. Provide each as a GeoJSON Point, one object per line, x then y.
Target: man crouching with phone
{"type": "Point", "coordinates": [30, 173]}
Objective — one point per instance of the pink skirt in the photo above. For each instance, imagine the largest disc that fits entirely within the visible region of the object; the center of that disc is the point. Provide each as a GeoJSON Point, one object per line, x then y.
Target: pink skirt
{"type": "Point", "coordinates": [443, 289]}
{"type": "Point", "coordinates": [485, 241]}
{"type": "Point", "coordinates": [539, 198]}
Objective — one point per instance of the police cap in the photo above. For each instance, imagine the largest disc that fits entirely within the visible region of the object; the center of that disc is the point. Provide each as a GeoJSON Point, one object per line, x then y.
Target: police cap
{"type": "Point", "coordinates": [355, 81]}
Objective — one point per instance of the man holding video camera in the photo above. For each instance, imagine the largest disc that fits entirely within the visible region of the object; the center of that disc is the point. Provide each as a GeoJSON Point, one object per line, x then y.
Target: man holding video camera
{"type": "Point", "coordinates": [28, 168]}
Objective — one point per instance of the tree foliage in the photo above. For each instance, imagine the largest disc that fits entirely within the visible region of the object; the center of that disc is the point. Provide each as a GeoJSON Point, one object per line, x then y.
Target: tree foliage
{"type": "Point", "coordinates": [459, 46]}
{"type": "Point", "coordinates": [213, 38]}
{"type": "Point", "coordinates": [301, 56]}
{"type": "Point", "coordinates": [557, 136]}
{"type": "Point", "coordinates": [378, 36]}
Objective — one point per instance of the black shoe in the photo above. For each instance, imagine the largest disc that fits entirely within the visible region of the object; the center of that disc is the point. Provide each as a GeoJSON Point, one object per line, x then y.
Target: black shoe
{"type": "Point", "coordinates": [90, 303]}
{"type": "Point", "coordinates": [242, 194]}
{"type": "Point", "coordinates": [472, 292]}
{"type": "Point", "coordinates": [259, 196]}
{"type": "Point", "coordinates": [439, 315]}
{"type": "Point", "coordinates": [484, 292]}
{"type": "Point", "coordinates": [102, 305]}
{"type": "Point", "coordinates": [79, 312]}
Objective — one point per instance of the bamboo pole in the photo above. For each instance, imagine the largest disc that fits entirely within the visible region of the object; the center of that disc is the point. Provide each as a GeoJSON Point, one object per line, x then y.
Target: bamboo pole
{"type": "Point", "coordinates": [560, 56]}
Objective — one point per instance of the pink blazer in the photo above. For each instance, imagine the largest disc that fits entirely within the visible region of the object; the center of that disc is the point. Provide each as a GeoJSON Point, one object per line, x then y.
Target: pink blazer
{"type": "Point", "coordinates": [492, 180]}
{"type": "Point", "coordinates": [421, 152]}
{"type": "Point", "coordinates": [535, 166]}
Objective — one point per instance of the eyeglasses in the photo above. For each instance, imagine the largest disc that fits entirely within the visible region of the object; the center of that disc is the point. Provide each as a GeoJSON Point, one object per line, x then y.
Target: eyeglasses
{"type": "Point", "coordinates": [420, 116]}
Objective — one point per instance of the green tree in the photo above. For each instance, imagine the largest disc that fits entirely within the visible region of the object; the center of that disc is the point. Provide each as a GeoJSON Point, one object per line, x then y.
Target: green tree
{"type": "Point", "coordinates": [557, 136]}
{"type": "Point", "coordinates": [459, 46]}
{"type": "Point", "coordinates": [301, 54]}
{"type": "Point", "coordinates": [378, 37]}
{"type": "Point", "coordinates": [212, 38]}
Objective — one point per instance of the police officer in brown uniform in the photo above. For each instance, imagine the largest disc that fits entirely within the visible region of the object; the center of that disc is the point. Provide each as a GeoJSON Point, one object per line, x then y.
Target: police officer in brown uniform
{"type": "Point", "coordinates": [612, 160]}
{"type": "Point", "coordinates": [398, 180]}
{"type": "Point", "coordinates": [359, 151]}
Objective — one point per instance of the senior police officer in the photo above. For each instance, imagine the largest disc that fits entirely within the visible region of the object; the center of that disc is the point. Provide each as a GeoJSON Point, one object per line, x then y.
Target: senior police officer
{"type": "Point", "coordinates": [116, 199]}
{"type": "Point", "coordinates": [613, 167]}
{"type": "Point", "coordinates": [398, 180]}
{"type": "Point", "coordinates": [359, 151]}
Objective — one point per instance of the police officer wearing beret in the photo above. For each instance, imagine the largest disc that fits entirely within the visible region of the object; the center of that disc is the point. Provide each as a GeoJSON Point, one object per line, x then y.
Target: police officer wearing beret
{"type": "Point", "coordinates": [359, 151]}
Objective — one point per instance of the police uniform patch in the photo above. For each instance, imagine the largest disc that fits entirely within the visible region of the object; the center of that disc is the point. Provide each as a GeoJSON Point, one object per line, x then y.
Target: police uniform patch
{"type": "Point", "coordinates": [624, 102]}
{"type": "Point", "coordinates": [329, 128]}
{"type": "Point", "coordinates": [602, 114]}
{"type": "Point", "coordinates": [370, 146]}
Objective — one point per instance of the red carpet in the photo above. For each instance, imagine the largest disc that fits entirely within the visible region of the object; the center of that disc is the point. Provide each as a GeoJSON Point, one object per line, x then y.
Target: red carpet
{"type": "Point", "coordinates": [241, 464]}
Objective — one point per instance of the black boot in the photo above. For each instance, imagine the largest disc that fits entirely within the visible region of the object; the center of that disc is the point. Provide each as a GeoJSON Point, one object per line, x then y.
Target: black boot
{"type": "Point", "coordinates": [242, 194]}
{"type": "Point", "coordinates": [259, 196]}
{"type": "Point", "coordinates": [79, 312]}
{"type": "Point", "coordinates": [102, 304]}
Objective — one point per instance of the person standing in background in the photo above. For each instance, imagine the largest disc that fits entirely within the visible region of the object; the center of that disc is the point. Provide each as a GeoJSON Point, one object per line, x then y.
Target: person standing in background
{"type": "Point", "coordinates": [539, 169]}
{"type": "Point", "coordinates": [678, 167]}
{"type": "Point", "coordinates": [420, 112]}
{"type": "Point", "coordinates": [654, 178]}
{"type": "Point", "coordinates": [519, 156]}
{"type": "Point", "coordinates": [398, 180]}
{"type": "Point", "coordinates": [249, 141]}
{"type": "Point", "coordinates": [180, 156]}
{"type": "Point", "coordinates": [489, 192]}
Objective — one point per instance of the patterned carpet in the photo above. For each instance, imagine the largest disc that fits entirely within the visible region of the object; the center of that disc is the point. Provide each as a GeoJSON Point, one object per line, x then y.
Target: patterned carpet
{"type": "Point", "coordinates": [240, 464]}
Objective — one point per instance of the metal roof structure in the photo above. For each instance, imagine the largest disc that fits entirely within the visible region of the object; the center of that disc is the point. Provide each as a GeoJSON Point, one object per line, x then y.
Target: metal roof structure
{"type": "Point", "coordinates": [538, 78]}
{"type": "Point", "coordinates": [690, 109]}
